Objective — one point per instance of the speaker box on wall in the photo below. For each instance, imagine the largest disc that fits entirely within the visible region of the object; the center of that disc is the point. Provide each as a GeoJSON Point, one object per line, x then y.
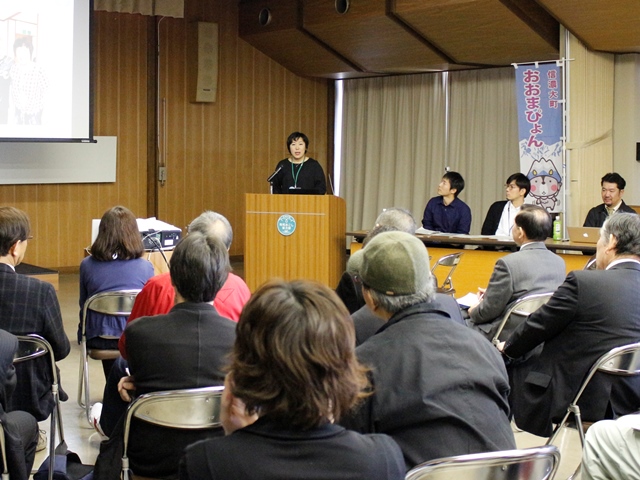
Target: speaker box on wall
{"type": "Point", "coordinates": [203, 61]}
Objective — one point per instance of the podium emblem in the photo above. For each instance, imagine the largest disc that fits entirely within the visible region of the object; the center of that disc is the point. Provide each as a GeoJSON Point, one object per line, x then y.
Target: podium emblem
{"type": "Point", "coordinates": [286, 225]}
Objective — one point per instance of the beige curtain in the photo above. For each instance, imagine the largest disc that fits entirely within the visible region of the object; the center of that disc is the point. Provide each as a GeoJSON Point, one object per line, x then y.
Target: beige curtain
{"type": "Point", "coordinates": [393, 145]}
{"type": "Point", "coordinates": [483, 136]}
{"type": "Point", "coordinates": [163, 8]}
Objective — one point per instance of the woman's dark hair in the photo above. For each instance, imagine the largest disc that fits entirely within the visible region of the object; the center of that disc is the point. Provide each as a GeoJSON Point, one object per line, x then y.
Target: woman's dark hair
{"type": "Point", "coordinates": [295, 136]}
{"type": "Point", "coordinates": [294, 356]}
{"type": "Point", "coordinates": [118, 236]}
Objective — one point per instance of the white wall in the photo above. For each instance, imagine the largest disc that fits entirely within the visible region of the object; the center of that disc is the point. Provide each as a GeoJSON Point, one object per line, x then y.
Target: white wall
{"type": "Point", "coordinates": [626, 123]}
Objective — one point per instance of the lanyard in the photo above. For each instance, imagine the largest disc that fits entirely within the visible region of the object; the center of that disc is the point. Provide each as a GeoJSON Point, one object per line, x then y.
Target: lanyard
{"type": "Point", "coordinates": [295, 175]}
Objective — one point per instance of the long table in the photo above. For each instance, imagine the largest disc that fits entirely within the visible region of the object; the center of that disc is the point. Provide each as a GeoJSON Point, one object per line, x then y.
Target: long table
{"type": "Point", "coordinates": [476, 266]}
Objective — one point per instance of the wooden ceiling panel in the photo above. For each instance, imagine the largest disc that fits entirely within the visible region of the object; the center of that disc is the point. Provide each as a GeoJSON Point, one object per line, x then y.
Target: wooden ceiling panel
{"type": "Point", "coordinates": [370, 38]}
{"type": "Point", "coordinates": [604, 25]}
{"type": "Point", "coordinates": [284, 40]}
{"type": "Point", "coordinates": [486, 32]}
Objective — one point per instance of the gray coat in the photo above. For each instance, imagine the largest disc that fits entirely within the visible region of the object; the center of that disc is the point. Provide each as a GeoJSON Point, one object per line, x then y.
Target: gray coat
{"type": "Point", "coordinates": [533, 269]}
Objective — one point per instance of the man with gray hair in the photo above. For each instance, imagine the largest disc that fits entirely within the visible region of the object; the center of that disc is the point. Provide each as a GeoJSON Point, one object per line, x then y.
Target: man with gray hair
{"type": "Point", "coordinates": [158, 294]}
{"type": "Point", "coordinates": [438, 387]}
{"type": "Point", "coordinates": [592, 312]}
{"type": "Point", "coordinates": [349, 288]}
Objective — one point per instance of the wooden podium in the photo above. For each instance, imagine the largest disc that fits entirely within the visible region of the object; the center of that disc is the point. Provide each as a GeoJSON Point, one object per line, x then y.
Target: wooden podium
{"type": "Point", "coordinates": [294, 236]}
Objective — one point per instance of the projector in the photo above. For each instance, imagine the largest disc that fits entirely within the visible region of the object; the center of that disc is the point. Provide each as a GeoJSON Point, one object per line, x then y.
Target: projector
{"type": "Point", "coordinates": [158, 235]}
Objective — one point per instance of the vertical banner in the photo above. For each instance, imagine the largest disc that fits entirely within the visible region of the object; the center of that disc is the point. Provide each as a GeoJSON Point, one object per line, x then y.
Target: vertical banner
{"type": "Point", "coordinates": [540, 132]}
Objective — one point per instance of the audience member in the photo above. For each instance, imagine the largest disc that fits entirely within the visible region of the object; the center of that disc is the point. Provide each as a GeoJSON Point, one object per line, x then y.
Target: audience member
{"type": "Point", "coordinates": [439, 388]}
{"type": "Point", "coordinates": [366, 322]}
{"type": "Point", "coordinates": [158, 293]}
{"type": "Point", "coordinates": [115, 263]}
{"type": "Point", "coordinates": [612, 190]}
{"type": "Point", "coordinates": [446, 212]}
{"type": "Point", "coordinates": [28, 305]}
{"type": "Point", "coordinates": [533, 269]}
{"type": "Point", "coordinates": [611, 449]}
{"type": "Point", "coordinates": [502, 214]}
{"type": "Point", "coordinates": [20, 428]}
{"type": "Point", "coordinates": [592, 312]}
{"type": "Point", "coordinates": [293, 373]}
{"type": "Point", "coordinates": [349, 288]}
{"type": "Point", "coordinates": [186, 348]}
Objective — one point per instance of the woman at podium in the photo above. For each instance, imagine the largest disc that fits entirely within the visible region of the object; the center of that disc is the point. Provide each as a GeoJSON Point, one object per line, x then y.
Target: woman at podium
{"type": "Point", "coordinates": [298, 174]}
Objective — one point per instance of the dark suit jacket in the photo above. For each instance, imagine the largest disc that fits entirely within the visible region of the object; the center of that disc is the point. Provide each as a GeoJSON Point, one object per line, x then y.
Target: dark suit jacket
{"type": "Point", "coordinates": [588, 315]}
{"type": "Point", "coordinates": [597, 215]}
{"type": "Point", "coordinates": [186, 348]}
{"type": "Point", "coordinates": [492, 220]}
{"type": "Point", "coordinates": [368, 323]}
{"type": "Point", "coordinates": [28, 305]}
{"type": "Point", "coordinates": [267, 450]}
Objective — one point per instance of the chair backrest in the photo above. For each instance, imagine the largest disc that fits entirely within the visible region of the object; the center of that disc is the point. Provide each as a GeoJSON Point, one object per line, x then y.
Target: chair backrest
{"type": "Point", "coordinates": [32, 346]}
{"type": "Point", "coordinates": [523, 307]}
{"type": "Point", "coordinates": [188, 409]}
{"type": "Point", "coordinates": [3, 451]}
{"type": "Point", "coordinates": [119, 303]}
{"type": "Point", "coordinates": [622, 361]}
{"type": "Point", "coordinates": [591, 264]}
{"type": "Point", "coordinates": [450, 261]}
{"type": "Point", "coordinates": [538, 463]}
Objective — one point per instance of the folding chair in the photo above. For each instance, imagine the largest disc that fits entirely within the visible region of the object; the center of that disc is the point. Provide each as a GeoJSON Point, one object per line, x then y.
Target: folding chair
{"type": "Point", "coordinates": [3, 449]}
{"type": "Point", "coordinates": [189, 409]}
{"type": "Point", "coordinates": [539, 463]}
{"type": "Point", "coordinates": [591, 263]}
{"type": "Point", "coordinates": [450, 261]}
{"type": "Point", "coordinates": [523, 307]}
{"type": "Point", "coordinates": [33, 346]}
{"type": "Point", "coordinates": [623, 361]}
{"type": "Point", "coordinates": [117, 303]}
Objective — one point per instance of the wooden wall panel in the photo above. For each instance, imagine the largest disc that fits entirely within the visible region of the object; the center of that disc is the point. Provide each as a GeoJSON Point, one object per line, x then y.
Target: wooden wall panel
{"type": "Point", "coordinates": [61, 214]}
{"type": "Point", "coordinates": [215, 152]}
{"type": "Point", "coordinates": [220, 151]}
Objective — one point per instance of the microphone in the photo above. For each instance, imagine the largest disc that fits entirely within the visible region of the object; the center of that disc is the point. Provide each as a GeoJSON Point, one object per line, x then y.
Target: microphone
{"type": "Point", "coordinates": [274, 174]}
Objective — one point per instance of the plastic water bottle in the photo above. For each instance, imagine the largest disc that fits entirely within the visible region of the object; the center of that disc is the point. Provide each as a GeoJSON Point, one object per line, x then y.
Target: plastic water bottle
{"type": "Point", "coordinates": [557, 228]}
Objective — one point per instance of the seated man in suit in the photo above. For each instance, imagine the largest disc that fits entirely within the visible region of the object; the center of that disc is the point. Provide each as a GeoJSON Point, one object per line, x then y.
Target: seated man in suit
{"type": "Point", "coordinates": [592, 312]}
{"type": "Point", "coordinates": [533, 269]}
{"type": "Point", "coordinates": [438, 387]}
{"type": "Point", "coordinates": [612, 190]}
{"type": "Point", "coordinates": [28, 305]}
{"type": "Point", "coordinates": [502, 214]}
{"type": "Point", "coordinates": [446, 212]}
{"type": "Point", "coordinates": [185, 348]}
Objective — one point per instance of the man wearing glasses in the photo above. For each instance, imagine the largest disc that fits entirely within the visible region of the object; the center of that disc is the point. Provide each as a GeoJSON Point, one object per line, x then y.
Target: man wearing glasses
{"type": "Point", "coordinates": [500, 217]}
{"type": "Point", "coordinates": [28, 305]}
{"type": "Point", "coordinates": [612, 190]}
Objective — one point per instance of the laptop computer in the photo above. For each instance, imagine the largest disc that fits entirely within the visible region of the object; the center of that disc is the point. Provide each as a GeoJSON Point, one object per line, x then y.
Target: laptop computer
{"type": "Point", "coordinates": [584, 234]}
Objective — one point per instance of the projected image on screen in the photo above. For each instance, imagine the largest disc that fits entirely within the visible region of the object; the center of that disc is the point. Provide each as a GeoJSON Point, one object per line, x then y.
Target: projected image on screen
{"type": "Point", "coordinates": [44, 70]}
